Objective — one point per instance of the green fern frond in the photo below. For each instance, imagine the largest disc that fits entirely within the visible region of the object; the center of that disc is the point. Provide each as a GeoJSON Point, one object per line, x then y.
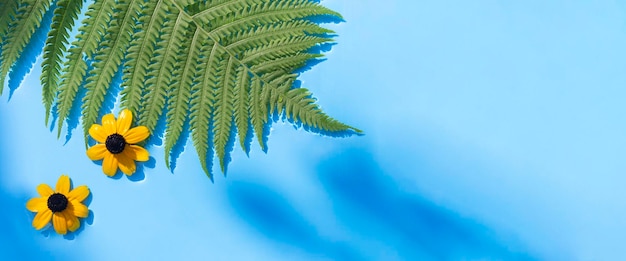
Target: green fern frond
{"type": "Point", "coordinates": [8, 8]}
{"type": "Point", "coordinates": [258, 110]}
{"type": "Point", "coordinates": [227, 67]}
{"type": "Point", "coordinates": [284, 64]}
{"type": "Point", "coordinates": [63, 20]}
{"type": "Point", "coordinates": [141, 50]}
{"type": "Point", "coordinates": [223, 112]}
{"type": "Point", "coordinates": [94, 27]}
{"type": "Point", "coordinates": [300, 106]}
{"type": "Point", "coordinates": [242, 115]}
{"type": "Point", "coordinates": [109, 59]}
{"type": "Point", "coordinates": [262, 35]}
{"type": "Point", "coordinates": [27, 19]}
{"type": "Point", "coordinates": [179, 97]}
{"type": "Point", "coordinates": [202, 101]}
{"type": "Point", "coordinates": [162, 71]}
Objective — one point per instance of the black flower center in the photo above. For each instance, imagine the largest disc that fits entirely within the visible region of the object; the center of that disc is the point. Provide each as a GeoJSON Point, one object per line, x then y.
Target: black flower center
{"type": "Point", "coordinates": [115, 143]}
{"type": "Point", "coordinates": [57, 202]}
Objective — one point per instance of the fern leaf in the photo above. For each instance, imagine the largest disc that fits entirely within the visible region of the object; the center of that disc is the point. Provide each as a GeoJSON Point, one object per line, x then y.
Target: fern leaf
{"type": "Point", "coordinates": [283, 83]}
{"type": "Point", "coordinates": [277, 96]}
{"type": "Point", "coordinates": [8, 9]}
{"type": "Point", "coordinates": [300, 106]}
{"type": "Point", "coordinates": [63, 20]}
{"type": "Point", "coordinates": [202, 105]}
{"type": "Point", "coordinates": [242, 116]}
{"type": "Point", "coordinates": [263, 12]}
{"type": "Point", "coordinates": [141, 50]}
{"type": "Point", "coordinates": [108, 60]}
{"type": "Point", "coordinates": [281, 48]}
{"type": "Point", "coordinates": [94, 26]}
{"type": "Point", "coordinates": [27, 19]}
{"type": "Point", "coordinates": [258, 111]}
{"type": "Point", "coordinates": [262, 35]}
{"type": "Point", "coordinates": [161, 73]}
{"type": "Point", "coordinates": [223, 113]}
{"type": "Point", "coordinates": [284, 64]}
{"type": "Point", "coordinates": [179, 97]}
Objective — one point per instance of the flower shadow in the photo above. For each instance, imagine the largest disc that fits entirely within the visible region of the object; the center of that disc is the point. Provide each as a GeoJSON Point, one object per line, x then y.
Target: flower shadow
{"type": "Point", "coordinates": [83, 222]}
{"type": "Point", "coordinates": [139, 174]}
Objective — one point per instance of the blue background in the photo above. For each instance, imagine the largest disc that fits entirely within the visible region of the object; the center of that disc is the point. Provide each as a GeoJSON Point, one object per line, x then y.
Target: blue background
{"type": "Point", "coordinates": [494, 129]}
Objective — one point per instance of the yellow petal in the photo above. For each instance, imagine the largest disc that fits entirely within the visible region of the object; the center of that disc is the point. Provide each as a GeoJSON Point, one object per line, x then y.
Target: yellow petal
{"type": "Point", "coordinates": [42, 219]}
{"type": "Point", "coordinates": [137, 153]}
{"type": "Point", "coordinates": [98, 133]}
{"type": "Point", "coordinates": [108, 122]}
{"type": "Point", "coordinates": [123, 121]}
{"type": "Point", "coordinates": [45, 190]}
{"type": "Point", "coordinates": [137, 134]}
{"type": "Point", "coordinates": [78, 209]}
{"type": "Point", "coordinates": [126, 163]}
{"type": "Point", "coordinates": [78, 194]}
{"type": "Point", "coordinates": [72, 222]}
{"type": "Point", "coordinates": [63, 185]}
{"type": "Point", "coordinates": [97, 152]}
{"type": "Point", "coordinates": [37, 204]}
{"type": "Point", "coordinates": [109, 164]}
{"type": "Point", "coordinates": [59, 222]}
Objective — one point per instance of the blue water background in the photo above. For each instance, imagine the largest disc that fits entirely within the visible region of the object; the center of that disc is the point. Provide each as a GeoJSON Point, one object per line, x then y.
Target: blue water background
{"type": "Point", "coordinates": [494, 130]}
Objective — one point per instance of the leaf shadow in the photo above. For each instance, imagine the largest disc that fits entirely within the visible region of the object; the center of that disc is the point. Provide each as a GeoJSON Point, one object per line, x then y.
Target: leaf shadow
{"type": "Point", "coordinates": [415, 226]}
{"type": "Point", "coordinates": [156, 138]}
{"type": "Point", "coordinates": [369, 207]}
{"type": "Point", "coordinates": [179, 147]}
{"type": "Point", "coordinates": [273, 217]}
{"type": "Point", "coordinates": [230, 145]}
{"type": "Point", "coordinates": [74, 115]}
{"type": "Point", "coordinates": [32, 50]}
{"type": "Point", "coordinates": [247, 143]}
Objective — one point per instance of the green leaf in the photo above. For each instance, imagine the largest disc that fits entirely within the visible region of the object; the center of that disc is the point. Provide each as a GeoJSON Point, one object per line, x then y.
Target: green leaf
{"type": "Point", "coordinates": [179, 97]}
{"type": "Point", "coordinates": [140, 53]}
{"type": "Point", "coordinates": [202, 104]}
{"type": "Point", "coordinates": [8, 8]}
{"type": "Point", "coordinates": [63, 20]}
{"type": "Point", "coordinates": [75, 68]}
{"type": "Point", "coordinates": [242, 115]}
{"type": "Point", "coordinates": [223, 112]}
{"type": "Point", "coordinates": [27, 19]}
{"type": "Point", "coordinates": [109, 59]}
{"type": "Point", "coordinates": [162, 71]}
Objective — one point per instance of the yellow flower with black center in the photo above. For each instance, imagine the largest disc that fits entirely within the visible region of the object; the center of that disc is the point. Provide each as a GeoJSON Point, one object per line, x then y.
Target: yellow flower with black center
{"type": "Point", "coordinates": [62, 205]}
{"type": "Point", "coordinates": [117, 143]}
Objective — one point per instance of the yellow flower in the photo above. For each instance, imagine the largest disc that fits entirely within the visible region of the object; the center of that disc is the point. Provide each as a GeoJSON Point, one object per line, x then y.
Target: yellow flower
{"type": "Point", "coordinates": [63, 206]}
{"type": "Point", "coordinates": [117, 141]}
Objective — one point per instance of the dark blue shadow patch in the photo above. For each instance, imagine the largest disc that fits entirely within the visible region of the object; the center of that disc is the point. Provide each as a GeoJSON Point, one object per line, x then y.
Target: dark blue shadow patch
{"type": "Point", "coordinates": [275, 218]}
{"type": "Point", "coordinates": [415, 227]}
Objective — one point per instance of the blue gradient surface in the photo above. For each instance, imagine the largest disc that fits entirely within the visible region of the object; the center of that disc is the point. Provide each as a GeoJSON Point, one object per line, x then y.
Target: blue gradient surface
{"type": "Point", "coordinates": [495, 130]}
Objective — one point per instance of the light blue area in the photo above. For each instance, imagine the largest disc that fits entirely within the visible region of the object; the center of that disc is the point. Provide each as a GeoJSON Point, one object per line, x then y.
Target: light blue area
{"type": "Point", "coordinates": [494, 129]}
